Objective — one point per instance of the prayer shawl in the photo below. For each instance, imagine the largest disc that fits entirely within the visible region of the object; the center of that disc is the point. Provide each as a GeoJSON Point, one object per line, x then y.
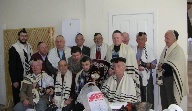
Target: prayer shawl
{"type": "Point", "coordinates": [25, 62]}
{"type": "Point", "coordinates": [54, 58]}
{"type": "Point", "coordinates": [62, 90]}
{"type": "Point", "coordinates": [176, 59]}
{"type": "Point", "coordinates": [43, 80]}
{"type": "Point", "coordinates": [131, 64]}
{"type": "Point", "coordinates": [103, 51]}
{"type": "Point", "coordinates": [124, 92]}
{"type": "Point", "coordinates": [147, 56]}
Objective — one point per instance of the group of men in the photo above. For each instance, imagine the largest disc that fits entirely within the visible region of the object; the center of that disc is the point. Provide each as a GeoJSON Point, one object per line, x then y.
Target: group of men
{"type": "Point", "coordinates": [56, 77]}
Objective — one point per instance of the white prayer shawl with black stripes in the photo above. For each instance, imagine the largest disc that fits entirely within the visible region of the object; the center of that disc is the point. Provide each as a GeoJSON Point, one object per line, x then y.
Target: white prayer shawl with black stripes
{"type": "Point", "coordinates": [124, 92]}
{"type": "Point", "coordinates": [176, 59]}
{"type": "Point", "coordinates": [62, 90]}
{"type": "Point", "coordinates": [20, 49]}
{"type": "Point", "coordinates": [131, 64]}
{"type": "Point", "coordinates": [54, 58]}
{"type": "Point", "coordinates": [147, 56]}
{"type": "Point", "coordinates": [43, 80]}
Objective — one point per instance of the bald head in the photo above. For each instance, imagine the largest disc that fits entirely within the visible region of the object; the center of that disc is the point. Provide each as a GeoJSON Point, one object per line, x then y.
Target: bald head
{"type": "Point", "coordinates": [60, 42]}
{"type": "Point", "coordinates": [126, 38]}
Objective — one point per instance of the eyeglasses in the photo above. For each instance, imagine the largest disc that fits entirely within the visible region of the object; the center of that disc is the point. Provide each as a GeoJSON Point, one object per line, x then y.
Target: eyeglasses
{"type": "Point", "coordinates": [141, 33]}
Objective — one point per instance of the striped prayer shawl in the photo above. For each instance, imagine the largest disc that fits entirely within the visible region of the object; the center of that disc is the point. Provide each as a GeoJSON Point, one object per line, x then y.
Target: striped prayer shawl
{"type": "Point", "coordinates": [147, 56]}
{"type": "Point", "coordinates": [176, 59]}
{"type": "Point", "coordinates": [29, 79]}
{"type": "Point", "coordinates": [25, 56]}
{"type": "Point", "coordinates": [62, 90]}
{"type": "Point", "coordinates": [131, 64]}
{"type": "Point", "coordinates": [124, 92]}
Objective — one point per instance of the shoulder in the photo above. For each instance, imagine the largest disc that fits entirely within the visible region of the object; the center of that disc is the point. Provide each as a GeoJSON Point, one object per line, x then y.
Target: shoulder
{"type": "Point", "coordinates": [78, 74]}
{"type": "Point", "coordinates": [85, 47]}
{"type": "Point", "coordinates": [93, 46]}
{"type": "Point", "coordinates": [53, 49]}
{"type": "Point", "coordinates": [36, 54]}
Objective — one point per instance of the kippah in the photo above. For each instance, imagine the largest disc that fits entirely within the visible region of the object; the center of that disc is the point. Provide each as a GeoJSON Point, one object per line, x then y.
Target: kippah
{"type": "Point", "coordinates": [176, 34]}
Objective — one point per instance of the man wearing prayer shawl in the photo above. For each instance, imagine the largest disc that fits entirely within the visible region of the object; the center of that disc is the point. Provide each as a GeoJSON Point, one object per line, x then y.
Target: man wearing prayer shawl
{"type": "Point", "coordinates": [99, 49]}
{"type": "Point", "coordinates": [56, 54]}
{"type": "Point", "coordinates": [120, 86]}
{"type": "Point", "coordinates": [64, 89]}
{"type": "Point", "coordinates": [172, 72]}
{"type": "Point", "coordinates": [119, 49]}
{"type": "Point", "coordinates": [147, 62]}
{"type": "Point", "coordinates": [19, 56]}
{"type": "Point", "coordinates": [33, 94]}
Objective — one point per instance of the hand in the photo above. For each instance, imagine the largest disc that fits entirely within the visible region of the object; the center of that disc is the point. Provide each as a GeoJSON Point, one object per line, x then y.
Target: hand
{"type": "Point", "coordinates": [160, 66]}
{"type": "Point", "coordinates": [16, 84]}
{"type": "Point", "coordinates": [34, 84]}
{"type": "Point", "coordinates": [53, 100]}
{"type": "Point", "coordinates": [25, 102]}
{"type": "Point", "coordinates": [68, 101]}
{"type": "Point", "coordinates": [48, 91]}
{"type": "Point", "coordinates": [141, 68]}
{"type": "Point", "coordinates": [51, 92]}
{"type": "Point", "coordinates": [111, 72]}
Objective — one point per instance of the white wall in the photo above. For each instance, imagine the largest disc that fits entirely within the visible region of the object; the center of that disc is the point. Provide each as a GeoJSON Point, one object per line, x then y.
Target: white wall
{"type": "Point", "coordinates": [170, 14]}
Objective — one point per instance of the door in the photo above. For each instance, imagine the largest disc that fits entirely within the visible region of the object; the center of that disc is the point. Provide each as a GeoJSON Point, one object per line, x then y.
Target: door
{"type": "Point", "coordinates": [132, 24]}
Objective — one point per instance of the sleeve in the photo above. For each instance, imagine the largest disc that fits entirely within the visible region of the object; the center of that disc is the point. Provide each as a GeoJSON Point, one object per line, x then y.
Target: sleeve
{"type": "Point", "coordinates": [23, 92]}
{"type": "Point", "coordinates": [48, 81]}
{"type": "Point", "coordinates": [50, 68]}
{"type": "Point", "coordinates": [168, 70]}
{"type": "Point", "coordinates": [13, 64]}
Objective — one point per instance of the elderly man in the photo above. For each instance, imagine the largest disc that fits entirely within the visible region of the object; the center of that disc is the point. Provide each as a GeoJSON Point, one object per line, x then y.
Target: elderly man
{"type": "Point", "coordinates": [172, 75]}
{"type": "Point", "coordinates": [74, 61]}
{"type": "Point", "coordinates": [99, 49]}
{"type": "Point", "coordinates": [79, 39]}
{"type": "Point", "coordinates": [33, 94]}
{"type": "Point", "coordinates": [56, 54]}
{"type": "Point", "coordinates": [64, 89]}
{"type": "Point", "coordinates": [126, 38]}
{"type": "Point", "coordinates": [41, 55]}
{"type": "Point", "coordinates": [19, 56]}
{"type": "Point", "coordinates": [120, 86]}
{"type": "Point", "coordinates": [147, 61]}
{"type": "Point", "coordinates": [119, 49]}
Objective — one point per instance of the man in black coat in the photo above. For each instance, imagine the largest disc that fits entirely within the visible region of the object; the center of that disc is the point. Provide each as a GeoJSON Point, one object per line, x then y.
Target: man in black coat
{"type": "Point", "coordinates": [19, 57]}
{"type": "Point", "coordinates": [79, 39]}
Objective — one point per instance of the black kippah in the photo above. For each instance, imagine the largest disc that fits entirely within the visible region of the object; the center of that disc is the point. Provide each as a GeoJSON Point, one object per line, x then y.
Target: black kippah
{"type": "Point", "coordinates": [118, 59]}
{"type": "Point", "coordinates": [176, 34]}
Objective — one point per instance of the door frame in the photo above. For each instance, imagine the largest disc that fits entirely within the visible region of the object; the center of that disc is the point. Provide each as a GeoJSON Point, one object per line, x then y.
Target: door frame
{"type": "Point", "coordinates": [115, 13]}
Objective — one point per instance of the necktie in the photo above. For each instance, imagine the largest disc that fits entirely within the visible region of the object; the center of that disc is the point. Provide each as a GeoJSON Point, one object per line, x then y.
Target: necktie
{"type": "Point", "coordinates": [98, 53]}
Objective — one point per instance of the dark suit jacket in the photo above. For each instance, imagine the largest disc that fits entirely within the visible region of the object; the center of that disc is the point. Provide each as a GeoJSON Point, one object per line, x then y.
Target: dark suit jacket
{"type": "Point", "coordinates": [86, 51]}
{"type": "Point", "coordinates": [15, 66]}
{"type": "Point", "coordinates": [38, 56]}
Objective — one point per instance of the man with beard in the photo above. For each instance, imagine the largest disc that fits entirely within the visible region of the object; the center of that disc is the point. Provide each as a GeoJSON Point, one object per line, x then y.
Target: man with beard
{"type": "Point", "coordinates": [19, 57]}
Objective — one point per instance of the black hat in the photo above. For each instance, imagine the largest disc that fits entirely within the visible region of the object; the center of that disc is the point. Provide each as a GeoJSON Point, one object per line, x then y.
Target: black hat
{"type": "Point", "coordinates": [118, 59]}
